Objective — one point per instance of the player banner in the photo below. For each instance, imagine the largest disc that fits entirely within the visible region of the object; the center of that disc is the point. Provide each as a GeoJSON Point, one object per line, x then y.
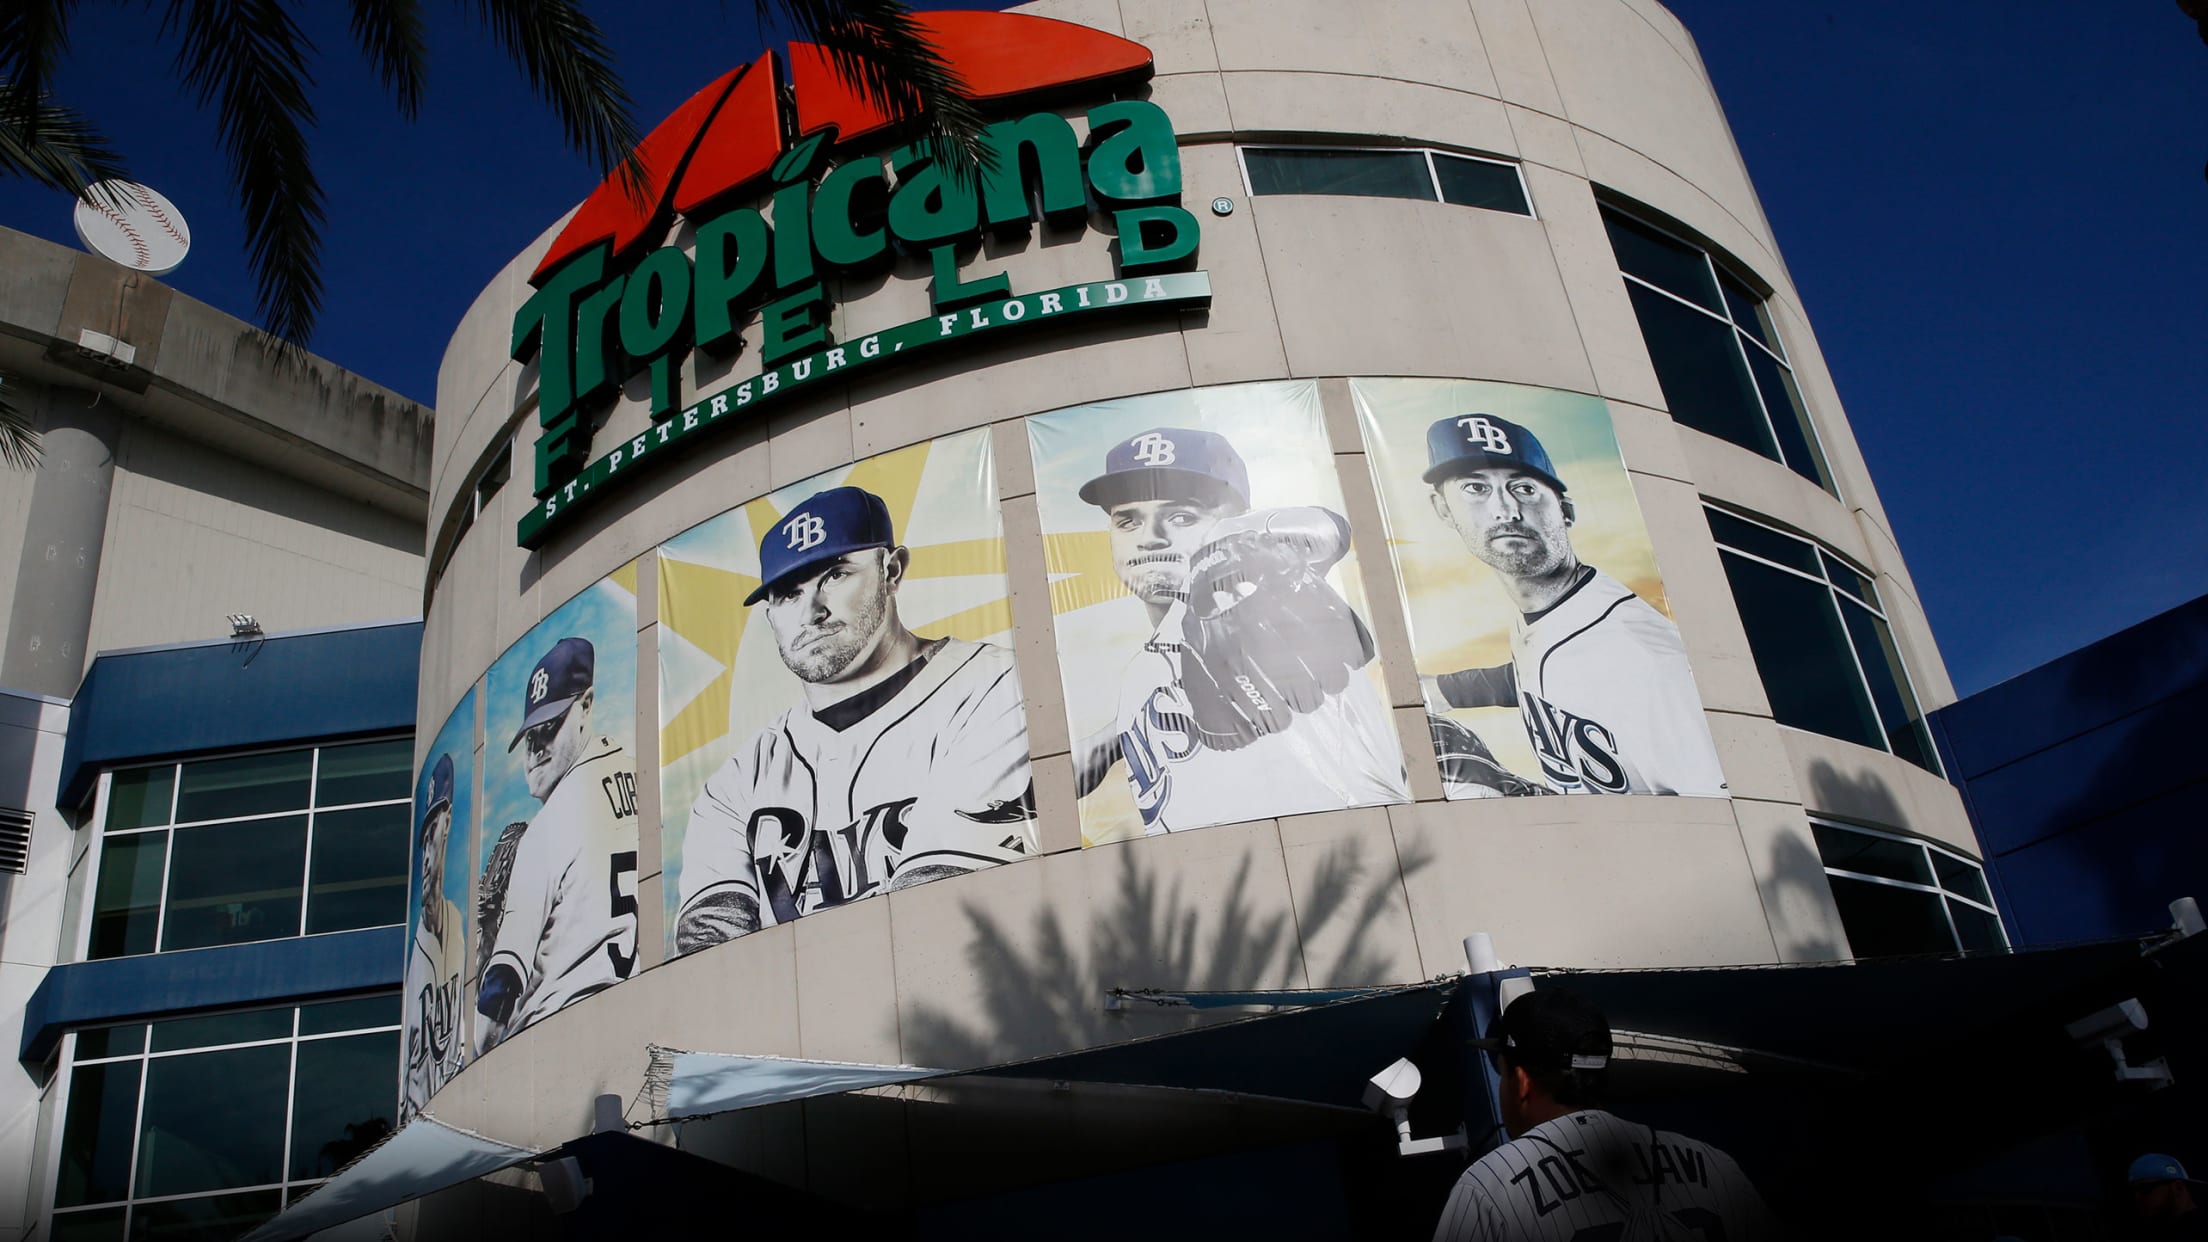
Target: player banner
{"type": "Point", "coordinates": [556, 903]}
{"type": "Point", "coordinates": [1210, 619]}
{"type": "Point", "coordinates": [436, 896]}
{"type": "Point", "coordinates": [839, 711]}
{"type": "Point", "coordinates": [1538, 619]}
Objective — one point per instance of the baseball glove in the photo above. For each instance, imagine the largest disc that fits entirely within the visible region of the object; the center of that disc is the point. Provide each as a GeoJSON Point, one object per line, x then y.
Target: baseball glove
{"type": "Point", "coordinates": [1265, 639]}
{"type": "Point", "coordinates": [490, 901]}
{"type": "Point", "coordinates": [1468, 767]}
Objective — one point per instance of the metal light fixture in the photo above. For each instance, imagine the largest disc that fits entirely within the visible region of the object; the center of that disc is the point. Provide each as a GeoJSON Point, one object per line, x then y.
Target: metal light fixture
{"type": "Point", "coordinates": [242, 625]}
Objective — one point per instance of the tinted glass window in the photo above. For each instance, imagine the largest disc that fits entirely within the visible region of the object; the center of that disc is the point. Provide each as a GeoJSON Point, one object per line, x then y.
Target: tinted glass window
{"type": "Point", "coordinates": [98, 1225]}
{"type": "Point", "coordinates": [110, 1041]}
{"type": "Point", "coordinates": [214, 1218]}
{"type": "Point", "coordinates": [368, 772]}
{"type": "Point", "coordinates": [1747, 310]}
{"type": "Point", "coordinates": [1699, 367]}
{"type": "Point", "coordinates": [139, 797]}
{"type": "Point", "coordinates": [1802, 653]}
{"type": "Point", "coordinates": [349, 1015]}
{"type": "Point", "coordinates": [1319, 170]}
{"type": "Point", "coordinates": [1978, 931]}
{"type": "Point", "coordinates": [1762, 541]}
{"type": "Point", "coordinates": [233, 883]}
{"type": "Point", "coordinates": [213, 1120]}
{"type": "Point", "coordinates": [95, 1142]}
{"type": "Point", "coordinates": [247, 785]}
{"type": "Point", "coordinates": [1477, 183]}
{"type": "Point", "coordinates": [1789, 420]}
{"type": "Point", "coordinates": [1880, 856]}
{"type": "Point", "coordinates": [126, 906]}
{"type": "Point", "coordinates": [1957, 876]}
{"type": "Point", "coordinates": [346, 1096]}
{"type": "Point", "coordinates": [359, 875]}
{"type": "Point", "coordinates": [244, 1027]}
{"type": "Point", "coordinates": [1884, 921]}
{"type": "Point", "coordinates": [1661, 261]}
{"type": "Point", "coordinates": [1906, 735]}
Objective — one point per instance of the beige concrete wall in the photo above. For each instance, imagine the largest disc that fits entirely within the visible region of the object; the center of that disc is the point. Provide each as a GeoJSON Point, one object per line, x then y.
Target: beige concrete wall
{"type": "Point", "coordinates": [1605, 94]}
{"type": "Point", "coordinates": [194, 535]}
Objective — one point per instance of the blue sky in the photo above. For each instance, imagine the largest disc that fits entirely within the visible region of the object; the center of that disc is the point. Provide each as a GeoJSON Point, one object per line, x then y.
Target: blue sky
{"type": "Point", "coordinates": [1994, 211]}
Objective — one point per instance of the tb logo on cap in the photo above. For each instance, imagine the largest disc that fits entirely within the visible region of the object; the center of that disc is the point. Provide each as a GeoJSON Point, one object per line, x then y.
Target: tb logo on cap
{"type": "Point", "coordinates": [1490, 436]}
{"type": "Point", "coordinates": [1152, 449]}
{"type": "Point", "coordinates": [807, 531]}
{"type": "Point", "coordinates": [539, 683]}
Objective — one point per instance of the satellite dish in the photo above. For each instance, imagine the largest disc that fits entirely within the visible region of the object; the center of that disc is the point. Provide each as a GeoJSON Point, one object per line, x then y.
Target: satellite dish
{"type": "Point", "coordinates": [135, 226]}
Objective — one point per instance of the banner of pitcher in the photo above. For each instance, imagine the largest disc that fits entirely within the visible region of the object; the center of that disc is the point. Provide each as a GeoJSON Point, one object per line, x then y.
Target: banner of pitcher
{"type": "Point", "coordinates": [840, 711]}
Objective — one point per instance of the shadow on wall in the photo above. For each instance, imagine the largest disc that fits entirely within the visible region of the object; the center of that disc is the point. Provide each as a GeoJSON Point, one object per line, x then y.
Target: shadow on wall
{"type": "Point", "coordinates": [1043, 988]}
{"type": "Point", "coordinates": [1798, 892]}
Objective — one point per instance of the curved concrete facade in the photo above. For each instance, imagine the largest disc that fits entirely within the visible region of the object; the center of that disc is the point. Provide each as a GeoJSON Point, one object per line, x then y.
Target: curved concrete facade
{"type": "Point", "coordinates": [1602, 97]}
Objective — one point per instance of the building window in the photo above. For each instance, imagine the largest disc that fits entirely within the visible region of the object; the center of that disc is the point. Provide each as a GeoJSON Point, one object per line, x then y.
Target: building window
{"type": "Point", "coordinates": [1390, 172]}
{"type": "Point", "coordinates": [1898, 895]}
{"type": "Point", "coordinates": [1717, 354]}
{"type": "Point", "coordinates": [1821, 640]}
{"type": "Point", "coordinates": [253, 847]}
{"type": "Point", "coordinates": [206, 1125]}
{"type": "Point", "coordinates": [15, 840]}
{"type": "Point", "coordinates": [494, 476]}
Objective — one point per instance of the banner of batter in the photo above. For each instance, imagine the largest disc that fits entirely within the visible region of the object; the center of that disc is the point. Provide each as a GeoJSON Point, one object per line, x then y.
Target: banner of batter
{"type": "Point", "coordinates": [1210, 619]}
{"type": "Point", "coordinates": [840, 715]}
{"type": "Point", "coordinates": [556, 914]}
{"type": "Point", "coordinates": [437, 932]}
{"type": "Point", "coordinates": [1538, 619]}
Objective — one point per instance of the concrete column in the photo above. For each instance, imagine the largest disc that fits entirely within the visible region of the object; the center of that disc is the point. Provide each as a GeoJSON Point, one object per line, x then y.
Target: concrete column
{"type": "Point", "coordinates": [60, 568]}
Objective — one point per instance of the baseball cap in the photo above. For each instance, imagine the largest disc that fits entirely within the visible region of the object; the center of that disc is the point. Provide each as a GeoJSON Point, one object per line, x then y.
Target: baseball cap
{"type": "Point", "coordinates": [1550, 1029]}
{"type": "Point", "coordinates": [1168, 463]}
{"type": "Point", "coordinates": [1466, 442]}
{"type": "Point", "coordinates": [824, 527]}
{"type": "Point", "coordinates": [557, 681]}
{"type": "Point", "coordinates": [440, 787]}
{"type": "Point", "coordinates": [2156, 1167]}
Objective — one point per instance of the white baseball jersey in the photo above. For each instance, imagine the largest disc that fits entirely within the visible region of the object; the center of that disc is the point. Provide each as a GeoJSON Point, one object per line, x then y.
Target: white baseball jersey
{"type": "Point", "coordinates": [1342, 755]}
{"type": "Point", "coordinates": [569, 926]}
{"type": "Point", "coordinates": [1607, 699]}
{"type": "Point", "coordinates": [434, 970]}
{"type": "Point", "coordinates": [927, 769]}
{"type": "Point", "coordinates": [1590, 1176]}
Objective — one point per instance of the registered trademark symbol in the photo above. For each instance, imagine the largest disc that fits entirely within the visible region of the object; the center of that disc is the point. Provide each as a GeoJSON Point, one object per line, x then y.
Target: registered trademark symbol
{"type": "Point", "coordinates": [1222, 206]}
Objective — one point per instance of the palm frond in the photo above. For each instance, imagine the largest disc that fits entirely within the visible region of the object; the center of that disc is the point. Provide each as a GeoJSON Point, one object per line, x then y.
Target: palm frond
{"type": "Point", "coordinates": [33, 35]}
{"type": "Point", "coordinates": [249, 58]}
{"type": "Point", "coordinates": [878, 47]}
{"type": "Point", "coordinates": [53, 146]}
{"type": "Point", "coordinates": [390, 34]}
{"type": "Point", "coordinates": [568, 63]}
{"type": "Point", "coordinates": [19, 447]}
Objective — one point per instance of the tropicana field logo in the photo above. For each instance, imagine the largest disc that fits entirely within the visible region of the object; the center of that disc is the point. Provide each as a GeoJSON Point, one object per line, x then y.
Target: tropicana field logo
{"type": "Point", "coordinates": [608, 308]}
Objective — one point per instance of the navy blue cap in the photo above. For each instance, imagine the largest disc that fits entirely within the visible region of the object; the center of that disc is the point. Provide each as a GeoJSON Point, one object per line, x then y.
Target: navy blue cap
{"type": "Point", "coordinates": [556, 682]}
{"type": "Point", "coordinates": [2156, 1167]}
{"type": "Point", "coordinates": [1465, 442]}
{"type": "Point", "coordinates": [440, 786]}
{"type": "Point", "coordinates": [1169, 463]}
{"type": "Point", "coordinates": [824, 527]}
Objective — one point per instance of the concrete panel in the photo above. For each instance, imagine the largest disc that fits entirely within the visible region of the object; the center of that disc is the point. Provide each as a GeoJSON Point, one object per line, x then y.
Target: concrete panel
{"type": "Point", "coordinates": [1197, 102]}
{"type": "Point", "coordinates": [476, 365]}
{"type": "Point", "coordinates": [34, 280]}
{"type": "Point", "coordinates": [1649, 441]}
{"type": "Point", "coordinates": [1752, 482]}
{"type": "Point", "coordinates": [1869, 787]}
{"type": "Point", "coordinates": [1419, 763]}
{"type": "Point", "coordinates": [1608, 328]}
{"type": "Point", "coordinates": [1238, 337]}
{"type": "Point", "coordinates": [1358, 292]}
{"type": "Point", "coordinates": [1790, 878]}
{"type": "Point", "coordinates": [994, 965]}
{"type": "Point", "coordinates": [1058, 824]}
{"type": "Point", "coordinates": [1920, 651]}
{"type": "Point", "coordinates": [1353, 916]}
{"type": "Point", "coordinates": [1097, 14]}
{"type": "Point", "coordinates": [1701, 598]}
{"type": "Point", "coordinates": [1014, 461]}
{"type": "Point", "coordinates": [1034, 640]}
{"type": "Point", "coordinates": [802, 445]}
{"type": "Point", "coordinates": [1427, 41]}
{"type": "Point", "coordinates": [1652, 881]}
{"type": "Point", "coordinates": [1625, 171]}
{"type": "Point", "coordinates": [1178, 34]}
{"type": "Point", "coordinates": [1753, 753]}
{"type": "Point", "coordinates": [1515, 55]}
{"type": "Point", "coordinates": [845, 979]}
{"type": "Point", "coordinates": [1391, 632]}
{"type": "Point", "coordinates": [1547, 140]}
{"type": "Point", "coordinates": [1265, 101]}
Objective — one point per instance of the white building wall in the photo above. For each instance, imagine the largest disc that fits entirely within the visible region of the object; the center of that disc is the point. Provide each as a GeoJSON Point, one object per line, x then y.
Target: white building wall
{"type": "Point", "coordinates": [32, 731]}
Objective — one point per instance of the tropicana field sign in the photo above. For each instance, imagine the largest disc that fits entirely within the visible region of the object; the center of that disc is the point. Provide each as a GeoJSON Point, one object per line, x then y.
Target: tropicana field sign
{"type": "Point", "coordinates": [607, 309]}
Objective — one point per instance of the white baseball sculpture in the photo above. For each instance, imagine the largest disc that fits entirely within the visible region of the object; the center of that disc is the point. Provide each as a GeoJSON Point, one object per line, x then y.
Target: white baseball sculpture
{"type": "Point", "coordinates": [135, 226]}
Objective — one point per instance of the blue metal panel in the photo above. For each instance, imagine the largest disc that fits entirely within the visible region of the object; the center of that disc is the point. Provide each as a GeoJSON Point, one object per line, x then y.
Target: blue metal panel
{"type": "Point", "coordinates": [169, 702]}
{"type": "Point", "coordinates": [123, 988]}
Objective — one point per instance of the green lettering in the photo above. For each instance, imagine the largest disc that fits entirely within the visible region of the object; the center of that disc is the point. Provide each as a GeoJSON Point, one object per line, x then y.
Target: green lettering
{"type": "Point", "coordinates": [1133, 157]}
{"type": "Point", "coordinates": [949, 291]}
{"type": "Point", "coordinates": [793, 236]}
{"type": "Point", "coordinates": [596, 370]}
{"type": "Point", "coordinates": [847, 216]}
{"type": "Point", "coordinates": [732, 256]}
{"type": "Point", "coordinates": [1152, 239]}
{"type": "Point", "coordinates": [653, 319]}
{"type": "Point", "coordinates": [545, 326]}
{"type": "Point", "coordinates": [562, 448]}
{"type": "Point", "coordinates": [1036, 155]}
{"type": "Point", "coordinates": [928, 208]}
{"type": "Point", "coordinates": [794, 325]}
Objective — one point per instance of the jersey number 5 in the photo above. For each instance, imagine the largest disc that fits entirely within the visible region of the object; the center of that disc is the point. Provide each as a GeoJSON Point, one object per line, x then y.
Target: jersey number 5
{"type": "Point", "coordinates": [621, 881]}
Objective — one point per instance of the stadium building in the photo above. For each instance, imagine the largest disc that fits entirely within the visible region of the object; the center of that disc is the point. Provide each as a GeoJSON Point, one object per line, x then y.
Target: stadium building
{"type": "Point", "coordinates": [945, 704]}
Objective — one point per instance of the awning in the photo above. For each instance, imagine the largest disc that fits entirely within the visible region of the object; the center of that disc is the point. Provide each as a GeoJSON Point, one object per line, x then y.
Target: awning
{"type": "Point", "coordinates": [421, 1157]}
{"type": "Point", "coordinates": [700, 1084]}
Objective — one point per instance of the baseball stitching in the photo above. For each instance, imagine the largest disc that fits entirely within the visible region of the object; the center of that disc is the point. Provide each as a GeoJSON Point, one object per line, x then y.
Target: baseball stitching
{"type": "Point", "coordinates": [160, 217]}
{"type": "Point", "coordinates": [137, 243]}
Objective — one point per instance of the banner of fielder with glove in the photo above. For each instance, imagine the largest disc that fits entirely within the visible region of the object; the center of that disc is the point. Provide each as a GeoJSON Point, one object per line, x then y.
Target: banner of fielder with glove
{"type": "Point", "coordinates": [840, 715]}
{"type": "Point", "coordinates": [1210, 620]}
{"type": "Point", "coordinates": [556, 914]}
{"type": "Point", "coordinates": [1538, 619]}
{"type": "Point", "coordinates": [437, 969]}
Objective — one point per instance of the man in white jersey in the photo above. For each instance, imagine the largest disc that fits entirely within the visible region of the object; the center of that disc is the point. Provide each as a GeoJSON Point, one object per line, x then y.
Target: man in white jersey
{"type": "Point", "coordinates": [564, 925]}
{"type": "Point", "coordinates": [1170, 494]}
{"type": "Point", "coordinates": [1572, 1171]}
{"type": "Point", "coordinates": [905, 761]}
{"type": "Point", "coordinates": [1599, 677]}
{"type": "Point", "coordinates": [439, 958]}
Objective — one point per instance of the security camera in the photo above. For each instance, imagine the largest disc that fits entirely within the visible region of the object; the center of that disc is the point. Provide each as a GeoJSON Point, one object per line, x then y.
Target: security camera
{"type": "Point", "coordinates": [2115, 1022]}
{"type": "Point", "coordinates": [565, 1187]}
{"type": "Point", "coordinates": [1389, 1093]}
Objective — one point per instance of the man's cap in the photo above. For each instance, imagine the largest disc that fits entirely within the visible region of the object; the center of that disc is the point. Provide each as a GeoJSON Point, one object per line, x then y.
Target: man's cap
{"type": "Point", "coordinates": [557, 681]}
{"type": "Point", "coordinates": [1462, 443]}
{"type": "Point", "coordinates": [1550, 1029]}
{"type": "Point", "coordinates": [440, 788]}
{"type": "Point", "coordinates": [1169, 463]}
{"type": "Point", "coordinates": [824, 527]}
{"type": "Point", "coordinates": [2156, 1167]}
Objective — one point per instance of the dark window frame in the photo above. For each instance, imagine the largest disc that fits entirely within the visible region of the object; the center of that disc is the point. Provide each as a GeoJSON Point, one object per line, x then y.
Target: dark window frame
{"type": "Point", "coordinates": [1937, 889]}
{"type": "Point", "coordinates": [1428, 154]}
